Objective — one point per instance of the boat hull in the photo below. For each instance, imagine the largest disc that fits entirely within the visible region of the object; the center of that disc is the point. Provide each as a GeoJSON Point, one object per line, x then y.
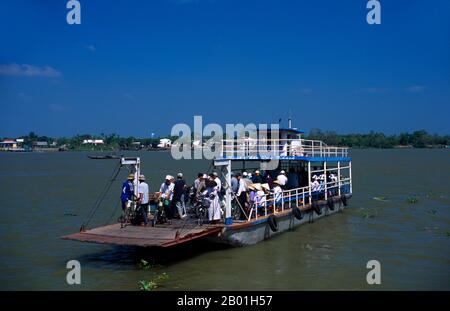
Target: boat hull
{"type": "Point", "coordinates": [259, 230]}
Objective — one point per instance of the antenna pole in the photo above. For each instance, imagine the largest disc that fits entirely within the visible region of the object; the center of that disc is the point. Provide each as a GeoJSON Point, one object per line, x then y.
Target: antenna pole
{"type": "Point", "coordinates": [290, 119]}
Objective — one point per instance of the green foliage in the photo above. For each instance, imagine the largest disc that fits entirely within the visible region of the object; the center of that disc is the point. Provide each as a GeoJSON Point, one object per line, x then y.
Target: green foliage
{"type": "Point", "coordinates": [147, 286]}
{"type": "Point", "coordinates": [418, 139]}
{"type": "Point", "coordinates": [112, 142]}
{"type": "Point", "coordinates": [145, 265]}
{"type": "Point", "coordinates": [162, 277]}
{"type": "Point", "coordinates": [152, 284]}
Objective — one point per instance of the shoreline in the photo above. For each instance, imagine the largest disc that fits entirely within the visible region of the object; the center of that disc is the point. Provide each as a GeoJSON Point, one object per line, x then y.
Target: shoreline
{"type": "Point", "coordinates": [55, 150]}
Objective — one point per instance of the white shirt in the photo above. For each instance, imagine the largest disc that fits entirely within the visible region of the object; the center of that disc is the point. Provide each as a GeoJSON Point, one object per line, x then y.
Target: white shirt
{"type": "Point", "coordinates": [165, 189]}
{"type": "Point", "coordinates": [260, 198]}
{"type": "Point", "coordinates": [282, 179]}
{"type": "Point", "coordinates": [285, 150]}
{"type": "Point", "coordinates": [197, 183]}
{"type": "Point", "coordinates": [315, 186]}
{"type": "Point", "coordinates": [219, 184]}
{"type": "Point", "coordinates": [242, 187]}
{"type": "Point", "coordinates": [143, 189]}
{"type": "Point", "coordinates": [277, 193]}
{"type": "Point", "coordinates": [214, 210]}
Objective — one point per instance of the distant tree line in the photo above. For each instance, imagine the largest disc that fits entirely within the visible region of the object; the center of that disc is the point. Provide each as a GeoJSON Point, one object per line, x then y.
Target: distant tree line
{"type": "Point", "coordinates": [111, 141]}
{"type": "Point", "coordinates": [417, 139]}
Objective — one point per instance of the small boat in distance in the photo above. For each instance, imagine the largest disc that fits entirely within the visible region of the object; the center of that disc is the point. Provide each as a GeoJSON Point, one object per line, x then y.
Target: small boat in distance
{"type": "Point", "coordinates": [104, 157]}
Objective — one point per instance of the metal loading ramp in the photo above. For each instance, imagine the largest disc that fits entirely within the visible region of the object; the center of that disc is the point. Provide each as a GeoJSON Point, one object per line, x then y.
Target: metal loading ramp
{"type": "Point", "coordinates": [166, 235]}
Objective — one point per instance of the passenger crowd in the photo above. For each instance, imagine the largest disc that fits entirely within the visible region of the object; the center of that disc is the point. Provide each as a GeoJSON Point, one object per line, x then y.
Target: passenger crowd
{"type": "Point", "coordinates": [248, 189]}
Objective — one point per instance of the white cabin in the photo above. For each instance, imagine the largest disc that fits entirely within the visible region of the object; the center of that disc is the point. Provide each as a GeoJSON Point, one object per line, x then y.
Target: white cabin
{"type": "Point", "coordinates": [164, 143]}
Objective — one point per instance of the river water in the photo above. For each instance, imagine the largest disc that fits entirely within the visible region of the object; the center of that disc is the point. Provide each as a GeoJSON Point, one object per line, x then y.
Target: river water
{"type": "Point", "coordinates": [48, 195]}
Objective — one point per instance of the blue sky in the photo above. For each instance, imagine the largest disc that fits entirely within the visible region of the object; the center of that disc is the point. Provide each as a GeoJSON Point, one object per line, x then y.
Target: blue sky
{"type": "Point", "coordinates": [137, 67]}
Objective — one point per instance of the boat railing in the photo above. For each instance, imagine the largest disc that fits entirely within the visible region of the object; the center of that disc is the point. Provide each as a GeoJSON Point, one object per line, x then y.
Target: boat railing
{"type": "Point", "coordinates": [248, 147]}
{"type": "Point", "coordinates": [273, 203]}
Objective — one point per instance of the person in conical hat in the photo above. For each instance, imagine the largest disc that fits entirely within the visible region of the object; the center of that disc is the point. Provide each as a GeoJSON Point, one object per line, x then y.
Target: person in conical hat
{"type": "Point", "coordinates": [252, 192]}
{"type": "Point", "coordinates": [277, 193]}
{"type": "Point", "coordinates": [258, 187]}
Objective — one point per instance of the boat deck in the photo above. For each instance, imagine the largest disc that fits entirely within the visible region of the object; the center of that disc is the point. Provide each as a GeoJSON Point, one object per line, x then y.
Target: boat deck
{"type": "Point", "coordinates": [159, 236]}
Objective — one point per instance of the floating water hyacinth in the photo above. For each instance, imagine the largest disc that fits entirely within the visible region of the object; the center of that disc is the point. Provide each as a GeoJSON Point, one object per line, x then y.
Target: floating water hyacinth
{"type": "Point", "coordinates": [147, 286]}
{"type": "Point", "coordinates": [412, 200]}
{"type": "Point", "coordinates": [153, 284]}
{"type": "Point", "coordinates": [163, 276]}
{"type": "Point", "coordinates": [145, 265]}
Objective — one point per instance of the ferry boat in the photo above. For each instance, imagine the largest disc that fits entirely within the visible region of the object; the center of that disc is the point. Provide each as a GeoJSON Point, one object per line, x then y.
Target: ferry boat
{"type": "Point", "coordinates": [330, 166]}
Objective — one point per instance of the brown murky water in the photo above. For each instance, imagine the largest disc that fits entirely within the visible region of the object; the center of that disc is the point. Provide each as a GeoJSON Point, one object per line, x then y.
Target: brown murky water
{"type": "Point", "coordinates": [45, 196]}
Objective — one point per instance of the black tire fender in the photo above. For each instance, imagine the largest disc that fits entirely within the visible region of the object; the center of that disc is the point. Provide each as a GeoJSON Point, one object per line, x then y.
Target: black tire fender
{"type": "Point", "coordinates": [273, 223]}
{"type": "Point", "coordinates": [330, 204]}
{"type": "Point", "coordinates": [297, 213]}
{"type": "Point", "coordinates": [316, 208]}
